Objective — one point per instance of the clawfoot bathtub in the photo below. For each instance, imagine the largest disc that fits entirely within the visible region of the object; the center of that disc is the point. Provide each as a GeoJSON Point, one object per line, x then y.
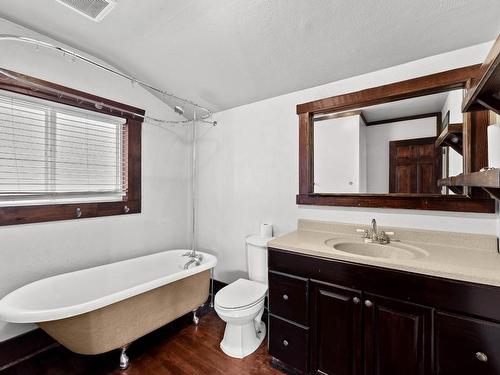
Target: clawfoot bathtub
{"type": "Point", "coordinates": [99, 309]}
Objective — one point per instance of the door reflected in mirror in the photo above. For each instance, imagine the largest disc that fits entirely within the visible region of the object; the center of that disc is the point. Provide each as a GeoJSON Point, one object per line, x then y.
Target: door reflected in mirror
{"type": "Point", "coordinates": [400, 147]}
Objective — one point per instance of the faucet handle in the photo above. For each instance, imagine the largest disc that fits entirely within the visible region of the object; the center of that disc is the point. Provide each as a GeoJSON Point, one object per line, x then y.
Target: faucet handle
{"type": "Point", "coordinates": [365, 232]}
{"type": "Point", "coordinates": [384, 238]}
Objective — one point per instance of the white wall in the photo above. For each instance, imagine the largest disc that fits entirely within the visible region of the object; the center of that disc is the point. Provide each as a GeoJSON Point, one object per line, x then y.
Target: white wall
{"type": "Point", "coordinates": [249, 169]}
{"type": "Point", "coordinates": [337, 155]}
{"type": "Point", "coordinates": [363, 162]}
{"type": "Point", "coordinates": [33, 251]}
{"type": "Point", "coordinates": [453, 103]}
{"type": "Point", "coordinates": [377, 147]}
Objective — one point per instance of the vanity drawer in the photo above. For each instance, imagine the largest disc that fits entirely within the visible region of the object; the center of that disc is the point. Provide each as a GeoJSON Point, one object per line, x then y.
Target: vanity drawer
{"type": "Point", "coordinates": [467, 346]}
{"type": "Point", "coordinates": [288, 297]}
{"type": "Point", "coordinates": [289, 343]}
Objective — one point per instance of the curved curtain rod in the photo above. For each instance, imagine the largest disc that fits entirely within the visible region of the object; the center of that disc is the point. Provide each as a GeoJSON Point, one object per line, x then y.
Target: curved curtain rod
{"type": "Point", "coordinates": [203, 118]}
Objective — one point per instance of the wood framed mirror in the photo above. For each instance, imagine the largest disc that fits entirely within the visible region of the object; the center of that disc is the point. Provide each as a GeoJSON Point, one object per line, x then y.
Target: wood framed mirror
{"type": "Point", "coordinates": [388, 146]}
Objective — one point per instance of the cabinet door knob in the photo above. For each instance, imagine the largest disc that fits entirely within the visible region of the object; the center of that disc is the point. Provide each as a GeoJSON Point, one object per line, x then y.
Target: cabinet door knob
{"type": "Point", "coordinates": [368, 303]}
{"type": "Point", "coordinates": [285, 343]}
{"type": "Point", "coordinates": [480, 356]}
{"type": "Point", "coordinates": [285, 297]}
{"type": "Point", "coordinates": [356, 300]}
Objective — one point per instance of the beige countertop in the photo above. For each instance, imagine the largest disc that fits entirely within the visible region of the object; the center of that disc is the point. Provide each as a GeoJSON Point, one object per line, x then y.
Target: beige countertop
{"type": "Point", "coordinates": [458, 256]}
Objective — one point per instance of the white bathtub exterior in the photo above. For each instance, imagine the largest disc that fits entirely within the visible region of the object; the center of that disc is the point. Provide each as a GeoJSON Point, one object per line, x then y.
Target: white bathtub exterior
{"type": "Point", "coordinates": [79, 292]}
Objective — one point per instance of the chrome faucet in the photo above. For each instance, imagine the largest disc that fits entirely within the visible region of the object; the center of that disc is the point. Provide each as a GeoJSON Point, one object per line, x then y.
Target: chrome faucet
{"type": "Point", "coordinates": [374, 236]}
{"type": "Point", "coordinates": [374, 228]}
{"type": "Point", "coordinates": [193, 258]}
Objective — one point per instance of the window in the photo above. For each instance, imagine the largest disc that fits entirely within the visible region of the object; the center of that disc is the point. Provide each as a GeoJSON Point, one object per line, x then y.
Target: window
{"type": "Point", "coordinates": [52, 153]}
{"type": "Point", "coordinates": [62, 157]}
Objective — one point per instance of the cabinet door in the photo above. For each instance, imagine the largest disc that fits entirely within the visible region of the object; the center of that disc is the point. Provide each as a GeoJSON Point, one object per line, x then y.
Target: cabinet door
{"type": "Point", "coordinates": [467, 346]}
{"type": "Point", "coordinates": [398, 337]}
{"type": "Point", "coordinates": [336, 330]}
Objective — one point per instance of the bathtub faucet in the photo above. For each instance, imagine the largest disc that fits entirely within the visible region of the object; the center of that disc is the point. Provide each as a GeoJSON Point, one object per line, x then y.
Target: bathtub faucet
{"type": "Point", "coordinates": [193, 258]}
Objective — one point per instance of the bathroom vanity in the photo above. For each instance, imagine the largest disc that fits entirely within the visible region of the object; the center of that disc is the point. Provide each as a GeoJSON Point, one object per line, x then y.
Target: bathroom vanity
{"type": "Point", "coordinates": [436, 311]}
{"type": "Point", "coordinates": [422, 302]}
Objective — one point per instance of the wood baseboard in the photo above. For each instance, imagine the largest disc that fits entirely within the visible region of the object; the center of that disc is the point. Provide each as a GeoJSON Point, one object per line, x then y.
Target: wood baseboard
{"type": "Point", "coordinates": [23, 347]}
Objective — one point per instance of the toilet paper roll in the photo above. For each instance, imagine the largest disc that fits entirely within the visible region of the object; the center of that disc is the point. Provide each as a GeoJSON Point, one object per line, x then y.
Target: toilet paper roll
{"type": "Point", "coordinates": [494, 146]}
{"type": "Point", "coordinates": [266, 230]}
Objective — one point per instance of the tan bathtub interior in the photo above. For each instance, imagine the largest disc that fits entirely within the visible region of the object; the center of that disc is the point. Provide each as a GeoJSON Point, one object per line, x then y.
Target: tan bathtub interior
{"type": "Point", "coordinates": [119, 324]}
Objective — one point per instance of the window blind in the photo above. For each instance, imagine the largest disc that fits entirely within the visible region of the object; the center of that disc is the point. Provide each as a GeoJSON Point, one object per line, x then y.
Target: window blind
{"type": "Point", "coordinates": [50, 152]}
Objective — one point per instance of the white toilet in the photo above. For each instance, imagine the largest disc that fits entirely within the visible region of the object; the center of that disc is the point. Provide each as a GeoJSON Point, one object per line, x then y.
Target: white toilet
{"type": "Point", "coordinates": [241, 304]}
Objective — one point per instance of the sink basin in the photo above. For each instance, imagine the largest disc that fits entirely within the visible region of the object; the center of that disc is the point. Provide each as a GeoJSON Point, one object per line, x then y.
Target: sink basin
{"type": "Point", "coordinates": [374, 250]}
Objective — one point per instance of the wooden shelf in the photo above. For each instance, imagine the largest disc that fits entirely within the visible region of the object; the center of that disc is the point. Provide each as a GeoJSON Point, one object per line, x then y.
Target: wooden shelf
{"type": "Point", "coordinates": [488, 180]}
{"type": "Point", "coordinates": [451, 136]}
{"type": "Point", "coordinates": [485, 92]}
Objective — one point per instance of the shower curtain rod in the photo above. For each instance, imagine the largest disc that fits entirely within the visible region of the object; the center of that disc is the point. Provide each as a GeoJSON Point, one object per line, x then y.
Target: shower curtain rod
{"type": "Point", "coordinates": [96, 103]}
{"type": "Point", "coordinates": [74, 55]}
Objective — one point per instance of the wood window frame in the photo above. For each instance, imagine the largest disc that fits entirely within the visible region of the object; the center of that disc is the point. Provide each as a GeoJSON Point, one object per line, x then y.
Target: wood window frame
{"type": "Point", "coordinates": [475, 145]}
{"type": "Point", "coordinates": [131, 202]}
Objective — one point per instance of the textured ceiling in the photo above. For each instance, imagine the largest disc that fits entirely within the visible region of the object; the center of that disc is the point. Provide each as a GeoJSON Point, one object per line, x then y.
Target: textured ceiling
{"type": "Point", "coordinates": [227, 53]}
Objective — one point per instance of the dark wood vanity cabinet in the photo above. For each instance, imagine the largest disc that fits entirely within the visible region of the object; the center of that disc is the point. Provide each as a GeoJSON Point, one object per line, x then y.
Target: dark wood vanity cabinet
{"type": "Point", "coordinates": [397, 337]}
{"type": "Point", "coordinates": [289, 297]}
{"type": "Point", "coordinates": [355, 333]}
{"type": "Point", "coordinates": [336, 332]}
{"type": "Point", "coordinates": [467, 345]}
{"type": "Point", "coordinates": [341, 318]}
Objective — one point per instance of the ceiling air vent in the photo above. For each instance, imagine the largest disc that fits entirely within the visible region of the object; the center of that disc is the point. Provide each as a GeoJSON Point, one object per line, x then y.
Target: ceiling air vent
{"type": "Point", "coordinates": [93, 9]}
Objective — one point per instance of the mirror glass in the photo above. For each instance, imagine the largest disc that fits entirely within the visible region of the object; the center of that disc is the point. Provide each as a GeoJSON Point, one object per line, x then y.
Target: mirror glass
{"type": "Point", "coordinates": [397, 147]}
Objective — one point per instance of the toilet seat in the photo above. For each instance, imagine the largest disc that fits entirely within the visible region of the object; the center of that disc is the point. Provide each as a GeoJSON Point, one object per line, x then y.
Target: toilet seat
{"type": "Point", "coordinates": [241, 294]}
{"type": "Point", "coordinates": [240, 315]}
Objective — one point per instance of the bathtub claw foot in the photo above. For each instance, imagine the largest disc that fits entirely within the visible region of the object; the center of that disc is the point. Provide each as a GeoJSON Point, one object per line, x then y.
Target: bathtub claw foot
{"type": "Point", "coordinates": [124, 359]}
{"type": "Point", "coordinates": [196, 318]}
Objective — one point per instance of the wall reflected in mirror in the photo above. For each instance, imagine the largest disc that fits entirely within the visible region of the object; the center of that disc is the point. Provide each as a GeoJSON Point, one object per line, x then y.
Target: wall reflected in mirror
{"type": "Point", "coordinates": [398, 147]}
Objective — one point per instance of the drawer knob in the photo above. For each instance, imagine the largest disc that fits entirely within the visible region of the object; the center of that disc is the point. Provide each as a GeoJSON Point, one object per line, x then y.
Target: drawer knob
{"type": "Point", "coordinates": [356, 300]}
{"type": "Point", "coordinates": [480, 356]}
{"type": "Point", "coordinates": [285, 297]}
{"type": "Point", "coordinates": [285, 343]}
{"type": "Point", "coordinates": [368, 303]}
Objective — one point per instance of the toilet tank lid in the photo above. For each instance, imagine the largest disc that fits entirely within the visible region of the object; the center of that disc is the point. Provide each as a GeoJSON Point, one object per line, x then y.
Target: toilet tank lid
{"type": "Point", "coordinates": [258, 240]}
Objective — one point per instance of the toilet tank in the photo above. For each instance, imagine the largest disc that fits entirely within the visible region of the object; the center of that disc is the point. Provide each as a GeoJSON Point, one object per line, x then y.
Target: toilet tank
{"type": "Point", "coordinates": [257, 258]}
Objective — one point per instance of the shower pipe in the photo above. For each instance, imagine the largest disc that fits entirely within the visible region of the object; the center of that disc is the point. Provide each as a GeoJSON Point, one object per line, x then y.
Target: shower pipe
{"type": "Point", "coordinates": [193, 208]}
{"type": "Point", "coordinates": [76, 56]}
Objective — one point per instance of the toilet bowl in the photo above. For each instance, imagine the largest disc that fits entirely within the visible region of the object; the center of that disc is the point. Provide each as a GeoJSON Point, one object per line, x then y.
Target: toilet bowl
{"type": "Point", "coordinates": [241, 303]}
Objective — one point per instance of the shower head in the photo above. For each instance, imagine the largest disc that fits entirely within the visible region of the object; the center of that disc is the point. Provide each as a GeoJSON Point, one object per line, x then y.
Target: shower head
{"type": "Point", "coordinates": [178, 109]}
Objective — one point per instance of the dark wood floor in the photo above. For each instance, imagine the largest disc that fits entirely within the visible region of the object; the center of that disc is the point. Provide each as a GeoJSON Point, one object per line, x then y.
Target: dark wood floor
{"type": "Point", "coordinates": [177, 349]}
